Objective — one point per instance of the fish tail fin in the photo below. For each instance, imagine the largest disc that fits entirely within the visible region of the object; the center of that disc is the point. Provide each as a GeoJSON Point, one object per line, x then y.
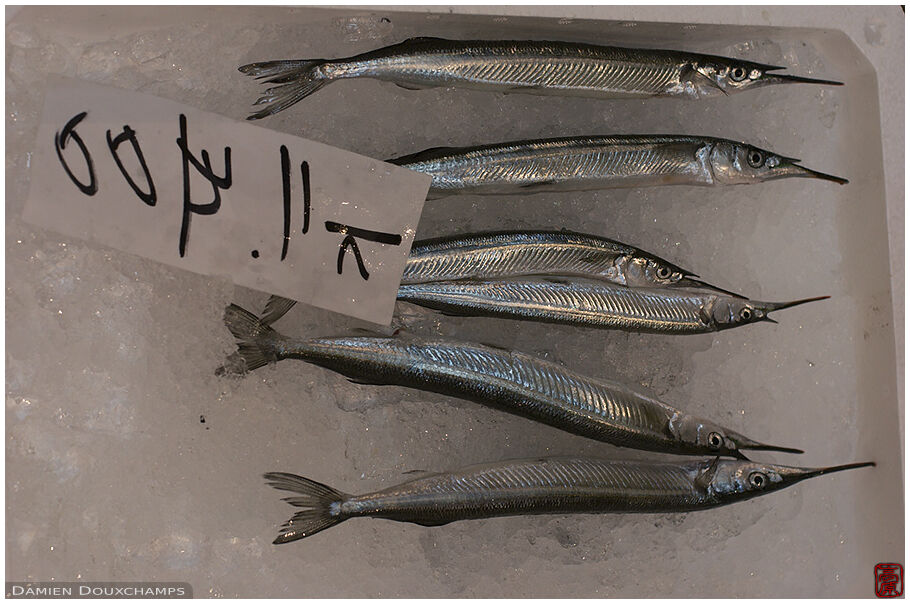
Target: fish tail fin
{"type": "Point", "coordinates": [296, 78]}
{"type": "Point", "coordinates": [256, 341]}
{"type": "Point", "coordinates": [322, 503]}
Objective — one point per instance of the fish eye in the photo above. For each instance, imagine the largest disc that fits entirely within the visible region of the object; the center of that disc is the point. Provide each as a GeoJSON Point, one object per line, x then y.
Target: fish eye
{"type": "Point", "coordinates": [715, 440]}
{"type": "Point", "coordinates": [746, 314]}
{"type": "Point", "coordinates": [755, 158]}
{"type": "Point", "coordinates": [664, 272]}
{"type": "Point", "coordinates": [738, 74]}
{"type": "Point", "coordinates": [758, 480]}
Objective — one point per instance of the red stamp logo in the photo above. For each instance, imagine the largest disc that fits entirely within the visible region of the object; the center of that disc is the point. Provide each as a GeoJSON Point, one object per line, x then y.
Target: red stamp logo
{"type": "Point", "coordinates": [889, 580]}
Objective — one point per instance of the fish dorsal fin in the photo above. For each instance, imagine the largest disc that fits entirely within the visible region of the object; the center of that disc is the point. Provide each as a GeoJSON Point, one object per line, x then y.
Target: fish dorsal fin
{"type": "Point", "coordinates": [425, 155]}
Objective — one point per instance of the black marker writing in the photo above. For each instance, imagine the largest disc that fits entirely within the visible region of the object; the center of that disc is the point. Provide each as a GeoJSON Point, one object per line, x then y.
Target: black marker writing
{"type": "Point", "coordinates": [204, 168]}
{"type": "Point", "coordinates": [129, 134]}
{"type": "Point", "coordinates": [351, 233]}
{"type": "Point", "coordinates": [305, 175]}
{"type": "Point", "coordinates": [286, 190]}
{"type": "Point", "coordinates": [146, 161]}
{"type": "Point", "coordinates": [60, 140]}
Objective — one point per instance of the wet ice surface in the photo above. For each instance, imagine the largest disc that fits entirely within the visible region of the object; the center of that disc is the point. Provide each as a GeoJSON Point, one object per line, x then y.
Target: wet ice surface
{"type": "Point", "coordinates": [129, 459]}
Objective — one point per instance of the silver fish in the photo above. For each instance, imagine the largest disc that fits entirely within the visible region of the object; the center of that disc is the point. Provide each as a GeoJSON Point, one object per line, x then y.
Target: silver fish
{"type": "Point", "coordinates": [504, 254]}
{"type": "Point", "coordinates": [582, 163]}
{"type": "Point", "coordinates": [534, 67]}
{"type": "Point", "coordinates": [593, 304]}
{"type": "Point", "coordinates": [507, 380]}
{"type": "Point", "coordinates": [541, 486]}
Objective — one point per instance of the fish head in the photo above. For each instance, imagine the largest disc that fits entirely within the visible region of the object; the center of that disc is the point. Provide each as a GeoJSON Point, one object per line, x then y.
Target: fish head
{"type": "Point", "coordinates": [645, 270]}
{"type": "Point", "coordinates": [727, 312]}
{"type": "Point", "coordinates": [648, 271]}
{"type": "Point", "coordinates": [699, 436]}
{"type": "Point", "coordinates": [740, 163]}
{"type": "Point", "coordinates": [710, 76]}
{"type": "Point", "coordinates": [728, 480]}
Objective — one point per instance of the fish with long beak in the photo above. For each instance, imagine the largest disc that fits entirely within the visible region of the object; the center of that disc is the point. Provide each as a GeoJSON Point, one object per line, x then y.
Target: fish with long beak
{"type": "Point", "coordinates": [506, 254]}
{"type": "Point", "coordinates": [581, 163]}
{"type": "Point", "coordinates": [508, 380]}
{"type": "Point", "coordinates": [589, 303]}
{"type": "Point", "coordinates": [541, 486]}
{"type": "Point", "coordinates": [518, 66]}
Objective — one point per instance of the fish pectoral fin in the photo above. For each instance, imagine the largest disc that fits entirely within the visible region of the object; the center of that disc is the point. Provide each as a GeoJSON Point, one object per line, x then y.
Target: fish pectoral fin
{"type": "Point", "coordinates": [410, 86]}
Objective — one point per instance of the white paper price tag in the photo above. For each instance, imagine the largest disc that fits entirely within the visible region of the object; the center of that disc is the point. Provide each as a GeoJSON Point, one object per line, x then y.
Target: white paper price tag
{"type": "Point", "coordinates": [199, 191]}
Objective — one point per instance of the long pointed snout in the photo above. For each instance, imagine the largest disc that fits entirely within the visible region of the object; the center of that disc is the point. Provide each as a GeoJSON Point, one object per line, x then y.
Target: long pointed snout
{"type": "Point", "coordinates": [764, 447]}
{"type": "Point", "coordinates": [797, 170]}
{"type": "Point", "coordinates": [792, 475]}
{"type": "Point", "coordinates": [743, 442]}
{"type": "Point", "coordinates": [832, 469]}
{"type": "Point", "coordinates": [793, 79]}
{"type": "Point", "coordinates": [773, 306]}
